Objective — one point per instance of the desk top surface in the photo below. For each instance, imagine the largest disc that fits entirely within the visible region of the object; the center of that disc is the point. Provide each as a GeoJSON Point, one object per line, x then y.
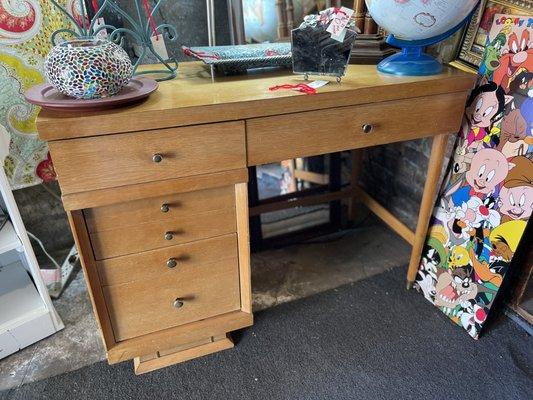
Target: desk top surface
{"type": "Point", "coordinates": [193, 98]}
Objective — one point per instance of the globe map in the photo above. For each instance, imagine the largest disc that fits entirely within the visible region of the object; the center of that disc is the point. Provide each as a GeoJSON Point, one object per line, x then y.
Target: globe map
{"type": "Point", "coordinates": [419, 19]}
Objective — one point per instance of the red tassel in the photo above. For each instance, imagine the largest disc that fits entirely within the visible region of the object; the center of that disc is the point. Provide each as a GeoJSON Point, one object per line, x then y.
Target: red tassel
{"type": "Point", "coordinates": [301, 87]}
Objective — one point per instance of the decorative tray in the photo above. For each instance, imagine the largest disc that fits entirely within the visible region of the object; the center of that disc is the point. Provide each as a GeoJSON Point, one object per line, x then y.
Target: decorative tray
{"type": "Point", "coordinates": [47, 97]}
{"type": "Point", "coordinates": [239, 58]}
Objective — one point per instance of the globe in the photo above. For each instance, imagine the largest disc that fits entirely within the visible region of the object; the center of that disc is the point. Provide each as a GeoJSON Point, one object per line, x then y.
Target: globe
{"type": "Point", "coordinates": [262, 18]}
{"type": "Point", "coordinates": [414, 24]}
{"type": "Point", "coordinates": [419, 19]}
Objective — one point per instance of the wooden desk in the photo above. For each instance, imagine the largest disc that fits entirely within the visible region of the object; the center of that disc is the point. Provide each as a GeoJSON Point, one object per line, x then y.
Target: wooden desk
{"type": "Point", "coordinates": [156, 192]}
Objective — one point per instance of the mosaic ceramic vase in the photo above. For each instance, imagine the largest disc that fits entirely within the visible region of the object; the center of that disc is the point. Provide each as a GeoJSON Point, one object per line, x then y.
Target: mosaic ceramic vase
{"type": "Point", "coordinates": [88, 68]}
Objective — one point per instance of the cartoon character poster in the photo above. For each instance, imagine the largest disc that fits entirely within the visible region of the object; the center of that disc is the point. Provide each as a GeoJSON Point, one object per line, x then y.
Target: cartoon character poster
{"type": "Point", "coordinates": [487, 196]}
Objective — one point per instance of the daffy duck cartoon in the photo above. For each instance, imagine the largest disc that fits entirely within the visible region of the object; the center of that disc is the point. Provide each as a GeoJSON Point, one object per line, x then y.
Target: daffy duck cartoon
{"type": "Point", "coordinates": [484, 272]}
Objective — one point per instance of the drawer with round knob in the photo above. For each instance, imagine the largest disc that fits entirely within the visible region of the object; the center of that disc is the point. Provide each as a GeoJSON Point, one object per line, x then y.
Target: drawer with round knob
{"type": "Point", "coordinates": [157, 234]}
{"type": "Point", "coordinates": [159, 302]}
{"type": "Point", "coordinates": [166, 262]}
{"type": "Point", "coordinates": [93, 163]}
{"type": "Point", "coordinates": [289, 136]}
{"type": "Point", "coordinates": [170, 209]}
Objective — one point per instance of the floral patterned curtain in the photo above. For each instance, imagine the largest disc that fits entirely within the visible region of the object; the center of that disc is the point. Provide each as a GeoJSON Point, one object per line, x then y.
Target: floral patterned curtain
{"type": "Point", "coordinates": [25, 30]}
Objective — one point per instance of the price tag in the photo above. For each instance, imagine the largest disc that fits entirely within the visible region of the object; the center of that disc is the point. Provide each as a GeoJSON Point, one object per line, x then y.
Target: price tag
{"type": "Point", "coordinates": [159, 46]}
{"type": "Point", "coordinates": [97, 24]}
{"type": "Point", "coordinates": [317, 84]}
{"type": "Point", "coordinates": [337, 27]}
{"type": "Point", "coordinates": [340, 37]}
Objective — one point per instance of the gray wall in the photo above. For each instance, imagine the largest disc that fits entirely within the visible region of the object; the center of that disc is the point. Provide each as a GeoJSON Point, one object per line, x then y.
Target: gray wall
{"type": "Point", "coordinates": [395, 175]}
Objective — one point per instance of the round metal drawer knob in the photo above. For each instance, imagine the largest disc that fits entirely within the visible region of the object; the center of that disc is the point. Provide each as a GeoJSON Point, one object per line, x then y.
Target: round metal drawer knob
{"type": "Point", "coordinates": [367, 128]}
{"type": "Point", "coordinates": [169, 236]}
{"type": "Point", "coordinates": [178, 303]}
{"type": "Point", "coordinates": [165, 208]}
{"type": "Point", "coordinates": [157, 158]}
{"type": "Point", "coordinates": [172, 262]}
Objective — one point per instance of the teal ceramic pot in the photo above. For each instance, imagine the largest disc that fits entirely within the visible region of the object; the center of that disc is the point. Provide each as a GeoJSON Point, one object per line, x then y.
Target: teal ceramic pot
{"type": "Point", "coordinates": [88, 68]}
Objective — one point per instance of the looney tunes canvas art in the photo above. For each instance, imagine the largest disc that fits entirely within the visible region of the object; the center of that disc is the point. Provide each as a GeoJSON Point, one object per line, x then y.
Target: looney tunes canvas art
{"type": "Point", "coordinates": [487, 196]}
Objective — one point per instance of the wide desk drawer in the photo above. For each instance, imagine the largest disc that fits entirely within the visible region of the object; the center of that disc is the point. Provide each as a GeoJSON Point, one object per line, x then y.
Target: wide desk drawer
{"type": "Point", "coordinates": [283, 137]}
{"type": "Point", "coordinates": [168, 262]}
{"type": "Point", "coordinates": [124, 159]}
{"type": "Point", "coordinates": [141, 307]}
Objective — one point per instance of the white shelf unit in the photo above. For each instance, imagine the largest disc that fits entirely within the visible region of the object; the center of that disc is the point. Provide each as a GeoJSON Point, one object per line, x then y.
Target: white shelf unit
{"type": "Point", "coordinates": [8, 238]}
{"type": "Point", "coordinates": [27, 314]}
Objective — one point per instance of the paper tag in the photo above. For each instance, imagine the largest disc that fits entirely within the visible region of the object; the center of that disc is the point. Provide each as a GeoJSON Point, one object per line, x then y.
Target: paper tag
{"type": "Point", "coordinates": [324, 16]}
{"type": "Point", "coordinates": [317, 84]}
{"type": "Point", "coordinates": [340, 37]}
{"type": "Point", "coordinates": [341, 18]}
{"type": "Point", "coordinates": [159, 46]}
{"type": "Point", "coordinates": [97, 24]}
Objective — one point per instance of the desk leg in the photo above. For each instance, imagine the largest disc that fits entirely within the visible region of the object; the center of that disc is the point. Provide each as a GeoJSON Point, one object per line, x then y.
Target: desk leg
{"type": "Point", "coordinates": [438, 150]}
{"type": "Point", "coordinates": [357, 165]}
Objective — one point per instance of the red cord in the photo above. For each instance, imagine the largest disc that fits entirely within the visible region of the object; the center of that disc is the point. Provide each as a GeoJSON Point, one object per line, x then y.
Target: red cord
{"type": "Point", "coordinates": [337, 10]}
{"type": "Point", "coordinates": [199, 54]}
{"type": "Point", "coordinates": [96, 7]}
{"type": "Point", "coordinates": [301, 87]}
{"type": "Point", "coordinates": [150, 18]}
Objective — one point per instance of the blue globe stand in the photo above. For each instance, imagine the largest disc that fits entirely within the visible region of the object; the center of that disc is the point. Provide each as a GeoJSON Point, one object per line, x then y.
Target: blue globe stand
{"type": "Point", "coordinates": [412, 61]}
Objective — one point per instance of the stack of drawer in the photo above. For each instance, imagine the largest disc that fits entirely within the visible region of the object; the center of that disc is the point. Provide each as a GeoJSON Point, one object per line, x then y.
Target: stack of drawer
{"type": "Point", "coordinates": [157, 224]}
{"type": "Point", "coordinates": [166, 261]}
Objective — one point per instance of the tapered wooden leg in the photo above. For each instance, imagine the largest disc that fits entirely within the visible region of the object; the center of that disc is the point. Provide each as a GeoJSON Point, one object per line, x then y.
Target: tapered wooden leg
{"type": "Point", "coordinates": [438, 150]}
{"type": "Point", "coordinates": [357, 164]}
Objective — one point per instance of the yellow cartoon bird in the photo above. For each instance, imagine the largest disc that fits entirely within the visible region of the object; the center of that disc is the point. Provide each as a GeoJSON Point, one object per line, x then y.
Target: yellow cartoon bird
{"type": "Point", "coordinates": [459, 257]}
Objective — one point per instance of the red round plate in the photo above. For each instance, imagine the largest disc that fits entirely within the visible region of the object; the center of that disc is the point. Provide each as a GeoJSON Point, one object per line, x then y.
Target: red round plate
{"type": "Point", "coordinates": [47, 97]}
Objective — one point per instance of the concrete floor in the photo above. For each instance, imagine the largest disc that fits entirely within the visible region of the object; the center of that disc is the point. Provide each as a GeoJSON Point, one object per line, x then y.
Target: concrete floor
{"type": "Point", "coordinates": [278, 276]}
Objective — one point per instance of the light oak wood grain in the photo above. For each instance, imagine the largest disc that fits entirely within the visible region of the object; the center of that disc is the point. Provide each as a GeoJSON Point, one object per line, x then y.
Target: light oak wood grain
{"type": "Point", "coordinates": [204, 347]}
{"type": "Point", "coordinates": [163, 353]}
{"type": "Point", "coordinates": [92, 163]}
{"type": "Point", "coordinates": [187, 346]}
{"type": "Point", "coordinates": [284, 137]}
{"type": "Point", "coordinates": [153, 264]}
{"type": "Point", "coordinates": [104, 197]}
{"type": "Point", "coordinates": [142, 307]}
{"type": "Point", "coordinates": [178, 336]}
{"type": "Point", "coordinates": [151, 235]}
{"type": "Point", "coordinates": [180, 206]}
{"type": "Point", "coordinates": [192, 98]}
{"type": "Point", "coordinates": [243, 234]}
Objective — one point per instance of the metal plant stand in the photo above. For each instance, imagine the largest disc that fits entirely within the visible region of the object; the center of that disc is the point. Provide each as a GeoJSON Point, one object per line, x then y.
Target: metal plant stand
{"type": "Point", "coordinates": [141, 32]}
